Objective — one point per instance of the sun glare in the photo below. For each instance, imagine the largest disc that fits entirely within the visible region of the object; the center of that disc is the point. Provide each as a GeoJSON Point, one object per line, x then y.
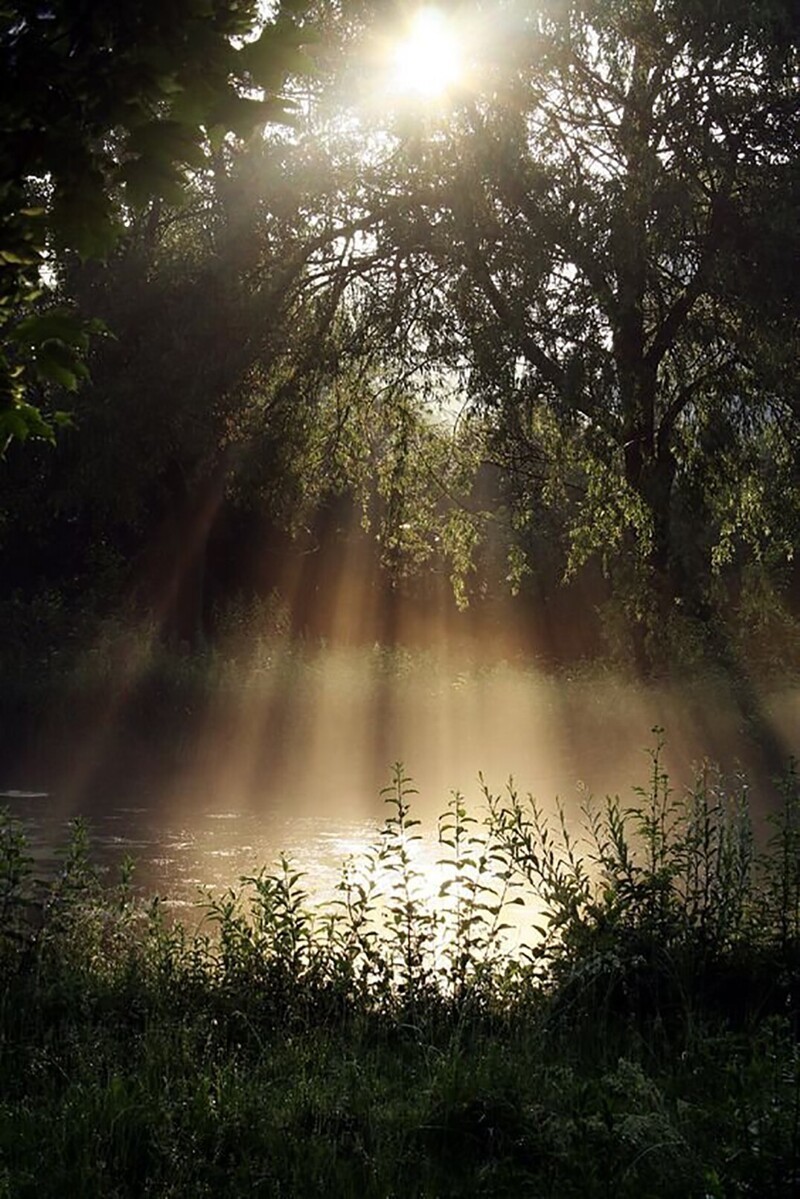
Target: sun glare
{"type": "Point", "coordinates": [428, 61]}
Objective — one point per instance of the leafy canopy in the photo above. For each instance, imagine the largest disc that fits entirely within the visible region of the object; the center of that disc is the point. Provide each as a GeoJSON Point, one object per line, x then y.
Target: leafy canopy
{"type": "Point", "coordinates": [595, 235]}
{"type": "Point", "coordinates": [103, 108]}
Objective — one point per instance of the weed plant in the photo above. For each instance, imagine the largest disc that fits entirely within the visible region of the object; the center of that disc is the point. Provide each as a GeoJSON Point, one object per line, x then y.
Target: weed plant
{"type": "Point", "coordinates": [610, 1011]}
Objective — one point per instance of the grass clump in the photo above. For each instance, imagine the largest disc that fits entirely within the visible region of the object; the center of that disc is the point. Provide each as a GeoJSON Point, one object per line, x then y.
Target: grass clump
{"type": "Point", "coordinates": [609, 1012]}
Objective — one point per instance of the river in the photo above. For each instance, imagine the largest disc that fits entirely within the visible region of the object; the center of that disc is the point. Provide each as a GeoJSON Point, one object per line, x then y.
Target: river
{"type": "Point", "coordinates": [302, 776]}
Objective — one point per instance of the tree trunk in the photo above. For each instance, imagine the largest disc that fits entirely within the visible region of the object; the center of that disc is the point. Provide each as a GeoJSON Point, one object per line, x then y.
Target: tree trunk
{"type": "Point", "coordinates": [650, 473]}
{"type": "Point", "coordinates": [175, 567]}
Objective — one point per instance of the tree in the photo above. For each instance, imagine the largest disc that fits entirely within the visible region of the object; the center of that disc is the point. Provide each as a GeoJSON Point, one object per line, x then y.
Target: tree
{"type": "Point", "coordinates": [231, 396]}
{"type": "Point", "coordinates": [104, 107]}
{"type": "Point", "coordinates": [586, 238]}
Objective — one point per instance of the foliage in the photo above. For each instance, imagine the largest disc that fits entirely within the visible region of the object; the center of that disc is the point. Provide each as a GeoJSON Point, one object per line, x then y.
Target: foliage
{"type": "Point", "coordinates": [255, 404]}
{"type": "Point", "coordinates": [556, 259]}
{"type": "Point", "coordinates": [215, 398]}
{"type": "Point", "coordinates": [658, 919]}
{"type": "Point", "coordinates": [134, 102]}
{"type": "Point", "coordinates": [648, 1046]}
{"type": "Point", "coordinates": [581, 236]}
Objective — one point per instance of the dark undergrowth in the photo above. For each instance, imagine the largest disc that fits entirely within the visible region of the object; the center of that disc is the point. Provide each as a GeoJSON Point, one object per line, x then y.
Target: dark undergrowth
{"type": "Point", "coordinates": [610, 1011]}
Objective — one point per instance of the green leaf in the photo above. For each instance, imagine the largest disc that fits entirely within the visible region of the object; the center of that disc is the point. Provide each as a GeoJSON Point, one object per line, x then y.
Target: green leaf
{"type": "Point", "coordinates": [59, 364]}
{"type": "Point", "coordinates": [54, 372]}
{"type": "Point", "coordinates": [13, 424]}
{"type": "Point", "coordinates": [21, 421]}
{"type": "Point", "coordinates": [52, 326]}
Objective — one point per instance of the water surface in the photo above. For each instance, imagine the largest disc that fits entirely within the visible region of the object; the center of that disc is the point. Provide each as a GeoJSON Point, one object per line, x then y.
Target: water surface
{"type": "Point", "coordinates": [292, 759]}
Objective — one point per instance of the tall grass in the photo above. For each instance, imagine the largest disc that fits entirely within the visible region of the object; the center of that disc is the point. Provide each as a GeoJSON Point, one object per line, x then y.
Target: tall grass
{"type": "Point", "coordinates": [604, 1011]}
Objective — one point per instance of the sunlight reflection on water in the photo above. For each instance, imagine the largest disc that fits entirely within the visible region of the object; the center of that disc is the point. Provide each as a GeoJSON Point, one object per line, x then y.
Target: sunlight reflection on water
{"type": "Point", "coordinates": [181, 864]}
{"type": "Point", "coordinates": [175, 861]}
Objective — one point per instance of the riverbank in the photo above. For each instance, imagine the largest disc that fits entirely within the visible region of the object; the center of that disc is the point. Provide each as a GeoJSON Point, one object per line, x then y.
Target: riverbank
{"type": "Point", "coordinates": [644, 1043]}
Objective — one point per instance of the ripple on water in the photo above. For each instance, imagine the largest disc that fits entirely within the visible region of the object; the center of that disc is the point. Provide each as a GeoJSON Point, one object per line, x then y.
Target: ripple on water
{"type": "Point", "coordinates": [128, 842]}
{"type": "Point", "coordinates": [179, 860]}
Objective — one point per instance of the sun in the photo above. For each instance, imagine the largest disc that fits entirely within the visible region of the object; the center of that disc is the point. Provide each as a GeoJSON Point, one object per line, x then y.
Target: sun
{"type": "Point", "coordinates": [428, 60]}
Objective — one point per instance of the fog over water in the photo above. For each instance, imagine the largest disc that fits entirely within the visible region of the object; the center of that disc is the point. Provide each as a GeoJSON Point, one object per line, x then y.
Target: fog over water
{"type": "Point", "coordinates": [290, 758]}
